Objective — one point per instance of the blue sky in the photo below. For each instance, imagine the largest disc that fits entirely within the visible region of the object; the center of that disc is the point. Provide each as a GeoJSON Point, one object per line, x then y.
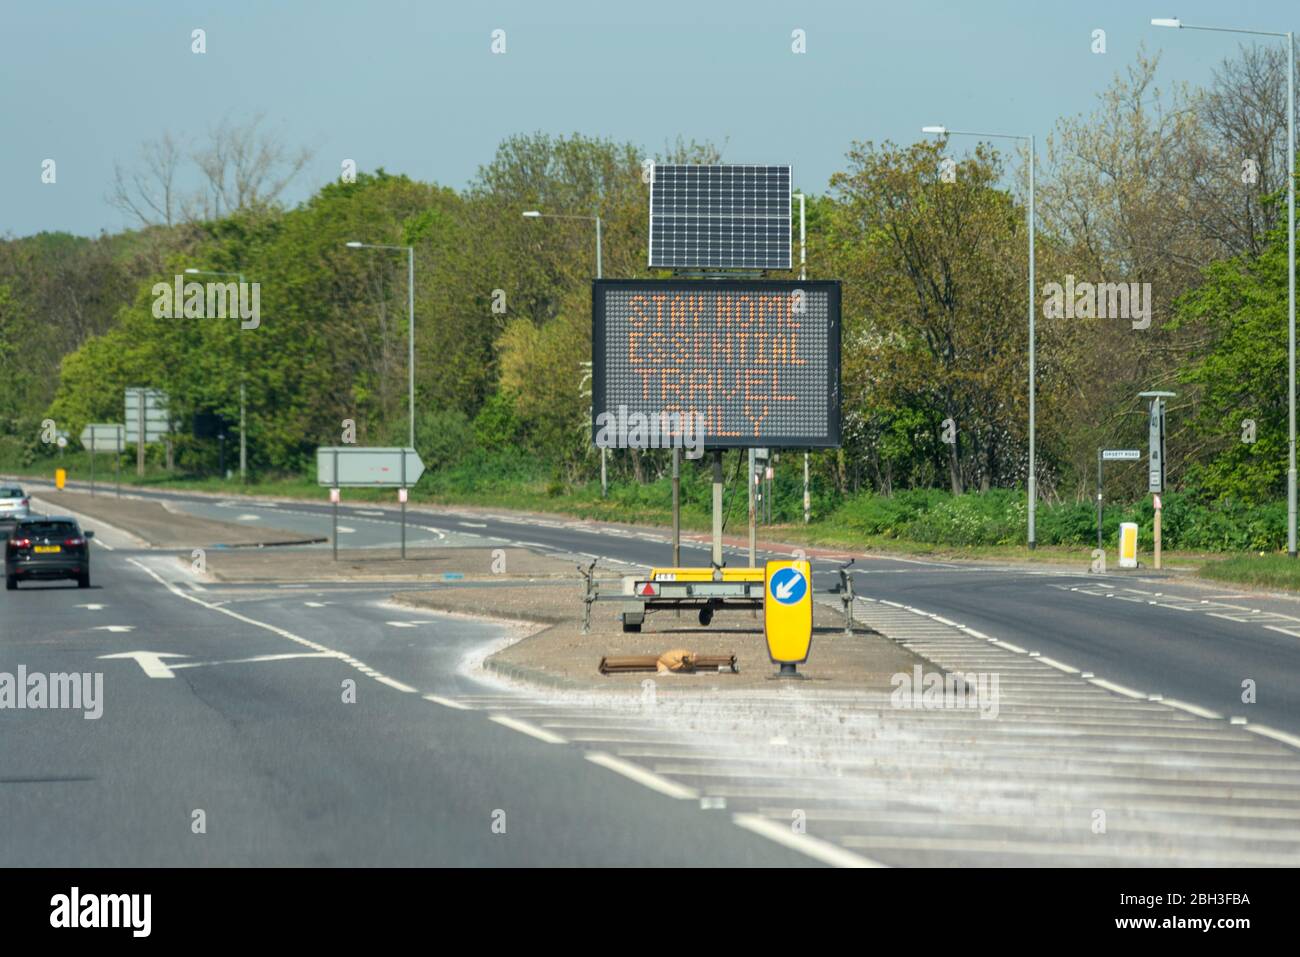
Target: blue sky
{"type": "Point", "coordinates": [413, 86]}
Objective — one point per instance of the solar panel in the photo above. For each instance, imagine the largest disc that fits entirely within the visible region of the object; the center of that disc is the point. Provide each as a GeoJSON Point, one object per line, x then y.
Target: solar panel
{"type": "Point", "coordinates": [720, 217]}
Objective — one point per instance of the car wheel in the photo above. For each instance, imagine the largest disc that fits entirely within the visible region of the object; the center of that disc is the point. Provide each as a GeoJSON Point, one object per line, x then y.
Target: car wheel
{"type": "Point", "coordinates": [83, 580]}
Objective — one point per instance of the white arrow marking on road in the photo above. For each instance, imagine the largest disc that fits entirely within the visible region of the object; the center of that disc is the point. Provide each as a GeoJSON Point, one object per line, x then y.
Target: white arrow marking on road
{"type": "Point", "coordinates": [92, 607]}
{"type": "Point", "coordinates": [257, 658]}
{"type": "Point", "coordinates": [114, 628]}
{"type": "Point", "coordinates": [316, 604]}
{"type": "Point", "coordinates": [150, 661]}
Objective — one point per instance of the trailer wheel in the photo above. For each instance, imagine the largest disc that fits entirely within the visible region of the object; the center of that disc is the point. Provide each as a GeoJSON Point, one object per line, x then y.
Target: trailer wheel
{"type": "Point", "coordinates": [706, 616]}
{"type": "Point", "coordinates": [628, 627]}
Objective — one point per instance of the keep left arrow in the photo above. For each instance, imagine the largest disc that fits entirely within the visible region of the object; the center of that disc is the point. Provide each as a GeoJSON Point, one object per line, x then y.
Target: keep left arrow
{"type": "Point", "coordinates": [151, 662]}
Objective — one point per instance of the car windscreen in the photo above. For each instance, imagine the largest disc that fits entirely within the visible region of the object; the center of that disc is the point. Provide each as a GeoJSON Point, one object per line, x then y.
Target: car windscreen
{"type": "Point", "coordinates": [11, 492]}
{"type": "Point", "coordinates": [46, 529]}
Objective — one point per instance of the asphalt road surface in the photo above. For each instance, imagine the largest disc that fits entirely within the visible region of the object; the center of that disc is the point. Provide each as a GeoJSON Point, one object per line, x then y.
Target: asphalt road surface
{"type": "Point", "coordinates": [313, 725]}
{"type": "Point", "coordinates": [1159, 633]}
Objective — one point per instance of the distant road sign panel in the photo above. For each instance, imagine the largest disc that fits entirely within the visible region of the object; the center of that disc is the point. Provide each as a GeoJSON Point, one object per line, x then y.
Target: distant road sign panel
{"type": "Point", "coordinates": [157, 421]}
{"type": "Point", "coordinates": [360, 467]}
{"type": "Point", "coordinates": [1121, 455]}
{"type": "Point", "coordinates": [755, 362]}
{"type": "Point", "coordinates": [720, 217]}
{"type": "Point", "coordinates": [103, 437]}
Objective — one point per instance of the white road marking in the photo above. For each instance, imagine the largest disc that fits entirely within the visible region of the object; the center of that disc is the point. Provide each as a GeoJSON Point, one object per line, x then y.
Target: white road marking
{"type": "Point", "coordinates": [114, 628]}
{"type": "Point", "coordinates": [151, 662]}
{"type": "Point", "coordinates": [248, 518]}
{"type": "Point", "coordinates": [532, 730]}
{"type": "Point", "coordinates": [317, 604]}
{"type": "Point", "coordinates": [1193, 709]}
{"type": "Point", "coordinates": [813, 847]}
{"type": "Point", "coordinates": [360, 512]}
{"type": "Point", "coordinates": [1275, 734]}
{"type": "Point", "coordinates": [640, 775]}
{"type": "Point", "coordinates": [344, 530]}
{"type": "Point", "coordinates": [257, 658]}
{"type": "Point", "coordinates": [473, 524]}
{"type": "Point", "coordinates": [409, 624]}
{"type": "Point", "coordinates": [1118, 689]}
{"type": "Point", "coordinates": [355, 663]}
{"type": "Point", "coordinates": [393, 683]}
{"type": "Point", "coordinates": [92, 607]}
{"type": "Point", "coordinates": [447, 702]}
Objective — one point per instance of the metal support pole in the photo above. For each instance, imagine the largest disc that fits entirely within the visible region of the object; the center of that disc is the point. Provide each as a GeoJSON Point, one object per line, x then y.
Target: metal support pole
{"type": "Point", "coordinates": [402, 496]}
{"type": "Point", "coordinates": [334, 502]}
{"type": "Point", "coordinates": [807, 493]}
{"type": "Point", "coordinates": [92, 463]}
{"type": "Point", "coordinates": [604, 473]}
{"type": "Point", "coordinates": [717, 509]}
{"type": "Point", "coordinates": [1290, 288]}
{"type": "Point", "coordinates": [1099, 486]}
{"type": "Point", "coordinates": [677, 508]}
{"type": "Point", "coordinates": [243, 434]}
{"type": "Point", "coordinates": [752, 536]}
{"type": "Point", "coordinates": [410, 345]}
{"type": "Point", "coordinates": [1033, 478]}
{"type": "Point", "coordinates": [139, 436]}
{"type": "Point", "coordinates": [117, 472]}
{"type": "Point", "coordinates": [803, 274]}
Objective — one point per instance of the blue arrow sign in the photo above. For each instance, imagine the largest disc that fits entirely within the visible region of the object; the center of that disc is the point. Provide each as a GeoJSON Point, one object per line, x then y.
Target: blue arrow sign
{"type": "Point", "coordinates": [788, 586]}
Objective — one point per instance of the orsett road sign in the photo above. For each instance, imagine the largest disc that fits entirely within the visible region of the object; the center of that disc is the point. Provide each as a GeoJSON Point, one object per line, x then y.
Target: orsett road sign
{"type": "Point", "coordinates": [1121, 455]}
{"type": "Point", "coordinates": [103, 437]}
{"type": "Point", "coordinates": [360, 467]}
{"type": "Point", "coordinates": [756, 362]}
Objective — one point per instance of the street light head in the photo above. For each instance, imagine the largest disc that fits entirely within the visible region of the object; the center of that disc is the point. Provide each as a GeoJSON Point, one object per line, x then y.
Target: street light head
{"type": "Point", "coordinates": [355, 245]}
{"type": "Point", "coordinates": [532, 214]}
{"type": "Point", "coordinates": [1167, 22]}
{"type": "Point", "coordinates": [934, 129]}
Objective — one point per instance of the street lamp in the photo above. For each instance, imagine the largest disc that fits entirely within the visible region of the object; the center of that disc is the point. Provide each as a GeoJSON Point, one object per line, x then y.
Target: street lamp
{"type": "Point", "coordinates": [538, 214]}
{"type": "Point", "coordinates": [1290, 225]}
{"type": "Point", "coordinates": [243, 391]}
{"type": "Point", "coordinates": [410, 334]}
{"type": "Point", "coordinates": [1033, 480]}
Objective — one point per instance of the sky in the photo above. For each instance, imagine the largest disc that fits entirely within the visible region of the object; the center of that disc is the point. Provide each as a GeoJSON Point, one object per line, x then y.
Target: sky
{"type": "Point", "coordinates": [414, 87]}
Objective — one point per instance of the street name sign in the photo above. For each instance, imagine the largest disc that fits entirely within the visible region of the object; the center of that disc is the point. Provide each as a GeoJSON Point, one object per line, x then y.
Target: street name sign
{"type": "Point", "coordinates": [1121, 455]}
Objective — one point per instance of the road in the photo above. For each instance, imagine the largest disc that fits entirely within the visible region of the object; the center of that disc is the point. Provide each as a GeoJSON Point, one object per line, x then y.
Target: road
{"type": "Point", "coordinates": [249, 729]}
{"type": "Point", "coordinates": [1158, 634]}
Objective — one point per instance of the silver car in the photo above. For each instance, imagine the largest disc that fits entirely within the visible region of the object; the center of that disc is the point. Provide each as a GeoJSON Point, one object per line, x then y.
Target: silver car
{"type": "Point", "coordinates": [14, 503]}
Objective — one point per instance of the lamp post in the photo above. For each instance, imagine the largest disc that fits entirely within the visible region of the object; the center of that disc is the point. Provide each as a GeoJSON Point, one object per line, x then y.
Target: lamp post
{"type": "Point", "coordinates": [538, 214]}
{"type": "Point", "coordinates": [1290, 272]}
{"type": "Point", "coordinates": [243, 391]}
{"type": "Point", "coordinates": [410, 333]}
{"type": "Point", "coordinates": [1033, 477]}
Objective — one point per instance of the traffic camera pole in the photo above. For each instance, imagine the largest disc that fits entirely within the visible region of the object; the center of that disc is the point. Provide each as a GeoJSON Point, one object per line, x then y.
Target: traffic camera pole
{"type": "Point", "coordinates": [750, 483]}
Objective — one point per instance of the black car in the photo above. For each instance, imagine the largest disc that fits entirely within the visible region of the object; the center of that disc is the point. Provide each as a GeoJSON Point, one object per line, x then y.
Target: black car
{"type": "Point", "coordinates": [51, 546]}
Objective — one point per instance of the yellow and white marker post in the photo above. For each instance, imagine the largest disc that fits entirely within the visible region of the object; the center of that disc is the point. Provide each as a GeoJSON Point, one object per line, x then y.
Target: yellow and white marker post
{"type": "Point", "coordinates": [1128, 545]}
{"type": "Point", "coordinates": [60, 478]}
{"type": "Point", "coordinates": [787, 613]}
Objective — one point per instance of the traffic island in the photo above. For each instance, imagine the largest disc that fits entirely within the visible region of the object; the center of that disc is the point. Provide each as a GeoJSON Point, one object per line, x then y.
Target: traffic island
{"type": "Point", "coordinates": [557, 654]}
